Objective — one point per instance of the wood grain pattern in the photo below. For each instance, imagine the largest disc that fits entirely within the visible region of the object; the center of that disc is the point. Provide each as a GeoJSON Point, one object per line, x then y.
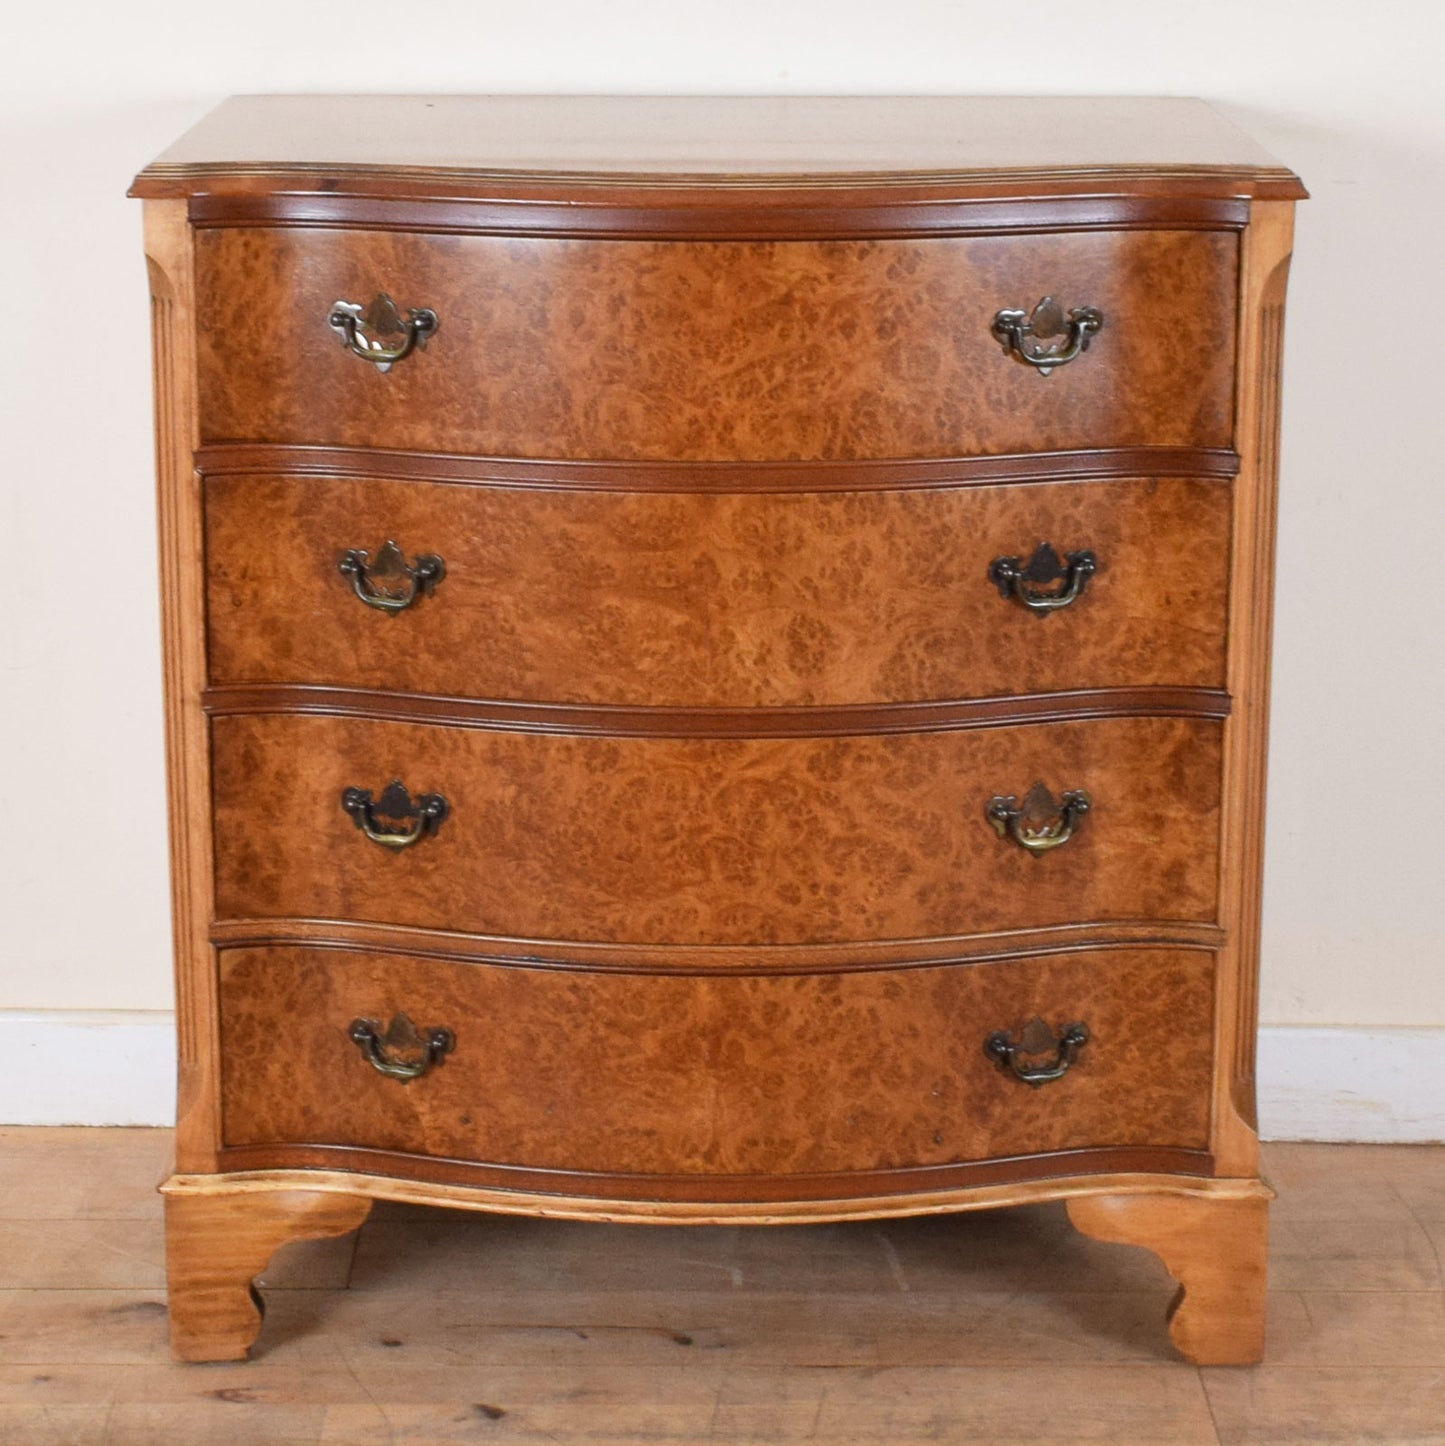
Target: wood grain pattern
{"type": "Point", "coordinates": [1215, 1249]}
{"type": "Point", "coordinates": [755, 1199]}
{"type": "Point", "coordinates": [720, 142]}
{"type": "Point", "coordinates": [716, 1076]}
{"type": "Point", "coordinates": [218, 1243]}
{"type": "Point", "coordinates": [716, 841]}
{"type": "Point", "coordinates": [606, 720]}
{"type": "Point", "coordinates": [789, 600]}
{"type": "Point", "coordinates": [722, 351]}
{"type": "Point", "coordinates": [1075, 1174]}
{"type": "Point", "coordinates": [1264, 277]}
{"type": "Point", "coordinates": [181, 549]}
{"type": "Point", "coordinates": [718, 447]}
{"type": "Point", "coordinates": [585, 474]}
{"type": "Point", "coordinates": [762, 212]}
{"type": "Point", "coordinates": [630, 958]}
{"type": "Point", "coordinates": [724, 1333]}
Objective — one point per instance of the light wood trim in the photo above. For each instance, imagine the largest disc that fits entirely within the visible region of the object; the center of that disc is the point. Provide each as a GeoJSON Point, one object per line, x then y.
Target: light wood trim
{"type": "Point", "coordinates": [183, 633]}
{"type": "Point", "coordinates": [1264, 272]}
{"type": "Point", "coordinates": [219, 1241]}
{"type": "Point", "coordinates": [1214, 1246]}
{"type": "Point", "coordinates": [668, 1212]}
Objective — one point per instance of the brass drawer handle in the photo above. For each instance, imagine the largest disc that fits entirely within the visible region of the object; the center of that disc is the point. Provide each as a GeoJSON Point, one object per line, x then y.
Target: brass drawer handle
{"type": "Point", "coordinates": [1038, 824]}
{"type": "Point", "coordinates": [1021, 333]}
{"type": "Point", "coordinates": [1013, 576]}
{"type": "Point", "coordinates": [1037, 1039]}
{"type": "Point", "coordinates": [402, 1052]}
{"type": "Point", "coordinates": [384, 319]}
{"type": "Point", "coordinates": [395, 820]}
{"type": "Point", "coordinates": [390, 584]}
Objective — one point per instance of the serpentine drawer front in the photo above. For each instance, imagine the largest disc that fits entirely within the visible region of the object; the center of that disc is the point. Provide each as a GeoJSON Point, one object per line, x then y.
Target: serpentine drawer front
{"type": "Point", "coordinates": [736, 350]}
{"type": "Point", "coordinates": [708, 688]}
{"type": "Point", "coordinates": [731, 841]}
{"type": "Point", "coordinates": [731, 1076]}
{"type": "Point", "coordinates": [723, 601]}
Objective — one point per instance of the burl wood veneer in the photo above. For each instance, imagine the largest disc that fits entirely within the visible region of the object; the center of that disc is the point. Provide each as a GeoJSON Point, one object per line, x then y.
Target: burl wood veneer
{"type": "Point", "coordinates": [728, 841]}
{"type": "Point", "coordinates": [731, 350]}
{"type": "Point", "coordinates": [673, 599]}
{"type": "Point", "coordinates": [764, 1078]}
{"type": "Point", "coordinates": [636, 482]}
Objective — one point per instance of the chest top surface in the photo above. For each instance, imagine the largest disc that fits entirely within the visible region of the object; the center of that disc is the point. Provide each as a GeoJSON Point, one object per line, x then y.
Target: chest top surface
{"type": "Point", "coordinates": [1054, 145]}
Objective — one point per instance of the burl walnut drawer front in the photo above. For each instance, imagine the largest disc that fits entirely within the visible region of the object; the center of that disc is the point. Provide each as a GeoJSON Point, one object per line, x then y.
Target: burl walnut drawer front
{"type": "Point", "coordinates": [666, 840]}
{"type": "Point", "coordinates": [726, 601]}
{"type": "Point", "coordinates": [754, 1075]}
{"type": "Point", "coordinates": [723, 350]}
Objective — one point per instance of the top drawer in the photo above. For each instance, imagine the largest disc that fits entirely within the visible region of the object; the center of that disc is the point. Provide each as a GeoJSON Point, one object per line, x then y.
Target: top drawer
{"type": "Point", "coordinates": [718, 350]}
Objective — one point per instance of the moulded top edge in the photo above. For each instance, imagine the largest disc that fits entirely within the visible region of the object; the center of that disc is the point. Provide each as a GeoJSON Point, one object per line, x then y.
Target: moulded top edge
{"type": "Point", "coordinates": [473, 144]}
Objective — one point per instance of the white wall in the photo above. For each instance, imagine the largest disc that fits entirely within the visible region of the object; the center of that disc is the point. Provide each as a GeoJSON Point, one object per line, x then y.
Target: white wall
{"type": "Point", "coordinates": [1348, 94]}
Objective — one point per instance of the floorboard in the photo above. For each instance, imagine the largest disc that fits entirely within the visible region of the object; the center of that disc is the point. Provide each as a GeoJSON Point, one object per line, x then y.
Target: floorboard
{"type": "Point", "coordinates": [435, 1327]}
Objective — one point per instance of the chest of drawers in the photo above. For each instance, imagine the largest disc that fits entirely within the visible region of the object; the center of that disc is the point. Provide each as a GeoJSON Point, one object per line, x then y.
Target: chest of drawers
{"type": "Point", "coordinates": [716, 662]}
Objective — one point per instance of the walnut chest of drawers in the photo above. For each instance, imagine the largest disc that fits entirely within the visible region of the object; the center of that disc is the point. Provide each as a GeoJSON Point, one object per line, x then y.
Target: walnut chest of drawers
{"type": "Point", "coordinates": [716, 661]}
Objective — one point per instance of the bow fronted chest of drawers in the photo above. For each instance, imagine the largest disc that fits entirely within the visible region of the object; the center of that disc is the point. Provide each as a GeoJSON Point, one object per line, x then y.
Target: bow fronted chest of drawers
{"type": "Point", "coordinates": [716, 659]}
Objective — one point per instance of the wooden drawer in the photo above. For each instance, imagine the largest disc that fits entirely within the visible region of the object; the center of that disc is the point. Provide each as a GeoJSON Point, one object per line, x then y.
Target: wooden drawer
{"type": "Point", "coordinates": [727, 601]}
{"type": "Point", "coordinates": [716, 350]}
{"type": "Point", "coordinates": [734, 1075]}
{"type": "Point", "coordinates": [690, 841]}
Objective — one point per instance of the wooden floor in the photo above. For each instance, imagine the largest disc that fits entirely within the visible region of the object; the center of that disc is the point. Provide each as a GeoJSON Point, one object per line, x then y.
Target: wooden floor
{"type": "Point", "coordinates": [433, 1327]}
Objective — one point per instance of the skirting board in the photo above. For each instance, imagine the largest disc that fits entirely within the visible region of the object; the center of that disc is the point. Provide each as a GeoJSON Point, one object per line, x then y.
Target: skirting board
{"type": "Point", "coordinates": [67, 1067]}
{"type": "Point", "coordinates": [88, 1067]}
{"type": "Point", "coordinates": [1377, 1086]}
